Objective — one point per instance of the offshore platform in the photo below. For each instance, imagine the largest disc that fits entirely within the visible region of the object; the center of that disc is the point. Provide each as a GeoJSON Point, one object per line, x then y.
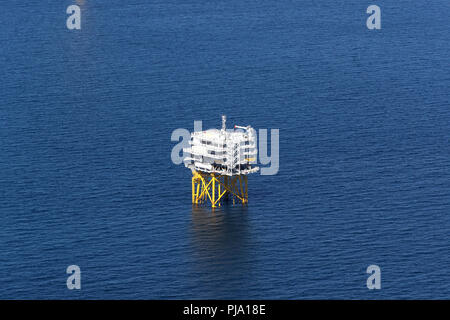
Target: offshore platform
{"type": "Point", "coordinates": [220, 161]}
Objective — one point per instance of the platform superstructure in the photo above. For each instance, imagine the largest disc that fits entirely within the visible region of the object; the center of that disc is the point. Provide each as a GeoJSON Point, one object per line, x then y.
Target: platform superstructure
{"type": "Point", "coordinates": [220, 161]}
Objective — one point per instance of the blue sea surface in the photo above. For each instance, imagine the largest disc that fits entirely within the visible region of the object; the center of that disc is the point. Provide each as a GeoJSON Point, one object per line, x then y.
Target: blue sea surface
{"type": "Point", "coordinates": [86, 177]}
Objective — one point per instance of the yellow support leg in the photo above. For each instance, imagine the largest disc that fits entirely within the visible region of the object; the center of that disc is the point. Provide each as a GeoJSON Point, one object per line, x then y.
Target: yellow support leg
{"type": "Point", "coordinates": [213, 191]}
{"type": "Point", "coordinates": [197, 193]}
{"type": "Point", "coordinates": [219, 194]}
{"type": "Point", "coordinates": [193, 190]}
{"type": "Point", "coordinates": [216, 189]}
